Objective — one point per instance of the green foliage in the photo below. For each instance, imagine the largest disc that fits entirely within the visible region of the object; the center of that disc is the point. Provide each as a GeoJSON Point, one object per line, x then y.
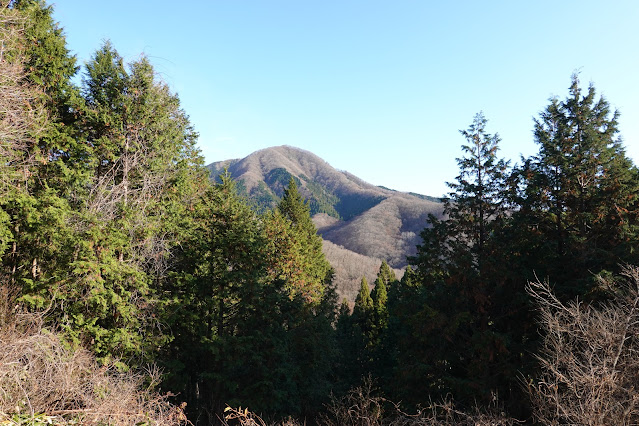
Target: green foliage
{"type": "Point", "coordinates": [321, 200]}
{"type": "Point", "coordinates": [226, 315]}
{"type": "Point", "coordinates": [108, 223]}
{"type": "Point", "coordinates": [579, 192]}
{"type": "Point", "coordinates": [379, 296]}
{"type": "Point", "coordinates": [95, 227]}
{"type": "Point", "coordinates": [458, 348]}
{"type": "Point", "coordinates": [37, 211]}
{"type": "Point", "coordinates": [278, 179]}
{"type": "Point", "coordinates": [266, 194]}
{"type": "Point", "coordinates": [363, 305]}
{"type": "Point", "coordinates": [296, 248]}
{"type": "Point", "coordinates": [467, 327]}
{"type": "Point", "coordinates": [246, 330]}
{"type": "Point", "coordinates": [264, 199]}
{"type": "Point", "coordinates": [144, 174]}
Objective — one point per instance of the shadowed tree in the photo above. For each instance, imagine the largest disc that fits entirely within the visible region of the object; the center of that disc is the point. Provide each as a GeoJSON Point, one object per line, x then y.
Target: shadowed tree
{"type": "Point", "coordinates": [460, 349]}
{"type": "Point", "coordinates": [579, 194]}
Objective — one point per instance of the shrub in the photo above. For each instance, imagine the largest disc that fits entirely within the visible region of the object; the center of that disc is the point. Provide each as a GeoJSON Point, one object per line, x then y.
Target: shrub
{"type": "Point", "coordinates": [42, 381]}
{"type": "Point", "coordinates": [589, 362]}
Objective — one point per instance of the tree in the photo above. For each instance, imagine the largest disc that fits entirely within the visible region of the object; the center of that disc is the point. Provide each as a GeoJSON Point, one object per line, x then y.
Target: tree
{"type": "Point", "coordinates": [385, 279]}
{"type": "Point", "coordinates": [363, 309]}
{"type": "Point", "coordinates": [296, 248]}
{"type": "Point", "coordinates": [229, 319]}
{"type": "Point", "coordinates": [142, 179]}
{"type": "Point", "coordinates": [461, 349]}
{"type": "Point", "coordinates": [50, 67]}
{"type": "Point", "coordinates": [347, 373]}
{"type": "Point", "coordinates": [589, 369]}
{"type": "Point", "coordinates": [579, 192]}
{"type": "Point", "coordinates": [241, 336]}
{"type": "Point", "coordinates": [22, 121]}
{"type": "Point", "coordinates": [477, 200]}
{"type": "Point", "coordinates": [37, 211]}
{"type": "Point", "coordinates": [296, 258]}
{"type": "Point", "coordinates": [379, 297]}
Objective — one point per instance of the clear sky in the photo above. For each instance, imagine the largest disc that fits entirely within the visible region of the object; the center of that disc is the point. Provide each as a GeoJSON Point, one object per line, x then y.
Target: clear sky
{"type": "Point", "coordinates": [378, 88]}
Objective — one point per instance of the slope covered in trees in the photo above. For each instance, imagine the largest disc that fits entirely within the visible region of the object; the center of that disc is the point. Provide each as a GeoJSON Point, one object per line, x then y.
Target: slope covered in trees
{"type": "Point", "coordinates": [371, 220]}
{"type": "Point", "coordinates": [110, 225]}
{"type": "Point", "coordinates": [366, 224]}
{"type": "Point", "coordinates": [113, 237]}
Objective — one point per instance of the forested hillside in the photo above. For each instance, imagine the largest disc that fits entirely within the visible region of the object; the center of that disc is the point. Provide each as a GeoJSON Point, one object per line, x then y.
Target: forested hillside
{"type": "Point", "coordinates": [119, 256]}
{"type": "Point", "coordinates": [376, 223]}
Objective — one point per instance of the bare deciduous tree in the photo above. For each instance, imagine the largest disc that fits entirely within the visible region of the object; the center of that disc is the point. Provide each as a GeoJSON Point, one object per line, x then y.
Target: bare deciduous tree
{"type": "Point", "coordinates": [21, 115]}
{"type": "Point", "coordinates": [589, 358]}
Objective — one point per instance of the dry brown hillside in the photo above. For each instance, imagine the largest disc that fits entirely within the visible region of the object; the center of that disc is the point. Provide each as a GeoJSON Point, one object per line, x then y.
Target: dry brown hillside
{"type": "Point", "coordinates": [390, 230]}
{"type": "Point", "coordinates": [350, 267]}
{"type": "Point", "coordinates": [367, 223]}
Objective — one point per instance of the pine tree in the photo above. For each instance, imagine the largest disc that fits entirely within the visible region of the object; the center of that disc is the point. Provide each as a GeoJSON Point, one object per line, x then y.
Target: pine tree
{"type": "Point", "coordinates": [229, 320]}
{"type": "Point", "coordinates": [296, 248]}
{"type": "Point", "coordinates": [39, 210]}
{"type": "Point", "coordinates": [478, 197]}
{"type": "Point", "coordinates": [455, 268]}
{"type": "Point", "coordinates": [579, 191]}
{"type": "Point", "coordinates": [362, 311]}
{"type": "Point", "coordinates": [142, 178]}
{"type": "Point", "coordinates": [23, 121]}
{"type": "Point", "coordinates": [386, 274]}
{"type": "Point", "coordinates": [408, 348]}
{"type": "Point", "coordinates": [295, 252]}
{"type": "Point", "coordinates": [347, 374]}
{"type": "Point", "coordinates": [50, 67]}
{"type": "Point", "coordinates": [379, 296]}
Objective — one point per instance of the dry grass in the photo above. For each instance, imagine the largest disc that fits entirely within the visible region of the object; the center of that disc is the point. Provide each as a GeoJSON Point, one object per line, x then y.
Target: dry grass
{"type": "Point", "coordinates": [363, 407]}
{"type": "Point", "coordinates": [40, 376]}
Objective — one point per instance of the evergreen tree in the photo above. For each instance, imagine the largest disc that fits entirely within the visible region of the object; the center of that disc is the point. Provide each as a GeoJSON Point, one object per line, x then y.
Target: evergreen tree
{"type": "Point", "coordinates": [385, 279]}
{"type": "Point", "coordinates": [363, 309]}
{"type": "Point", "coordinates": [460, 350]}
{"type": "Point", "coordinates": [579, 193]}
{"type": "Point", "coordinates": [144, 172]}
{"type": "Point", "coordinates": [296, 248]}
{"type": "Point", "coordinates": [23, 120]}
{"type": "Point", "coordinates": [386, 274]}
{"type": "Point", "coordinates": [362, 329]}
{"type": "Point", "coordinates": [38, 211]}
{"type": "Point", "coordinates": [296, 256]}
{"type": "Point", "coordinates": [241, 337]}
{"type": "Point", "coordinates": [407, 346]}
{"type": "Point", "coordinates": [478, 200]}
{"type": "Point", "coordinates": [379, 296]}
{"type": "Point", "coordinates": [228, 319]}
{"type": "Point", "coordinates": [347, 374]}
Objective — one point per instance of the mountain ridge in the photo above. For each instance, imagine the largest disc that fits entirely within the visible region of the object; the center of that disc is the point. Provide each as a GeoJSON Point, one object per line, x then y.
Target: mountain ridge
{"type": "Point", "coordinates": [353, 215]}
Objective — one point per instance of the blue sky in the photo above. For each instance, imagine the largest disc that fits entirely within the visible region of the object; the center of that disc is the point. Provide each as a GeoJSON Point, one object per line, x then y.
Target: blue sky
{"type": "Point", "coordinates": [378, 88]}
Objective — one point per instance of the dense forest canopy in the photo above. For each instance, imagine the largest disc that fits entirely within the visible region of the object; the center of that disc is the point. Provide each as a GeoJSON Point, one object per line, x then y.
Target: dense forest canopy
{"type": "Point", "coordinates": [111, 229]}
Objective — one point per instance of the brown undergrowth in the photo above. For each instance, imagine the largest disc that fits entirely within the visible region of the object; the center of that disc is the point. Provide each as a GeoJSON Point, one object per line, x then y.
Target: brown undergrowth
{"type": "Point", "coordinates": [44, 382]}
{"type": "Point", "coordinates": [362, 406]}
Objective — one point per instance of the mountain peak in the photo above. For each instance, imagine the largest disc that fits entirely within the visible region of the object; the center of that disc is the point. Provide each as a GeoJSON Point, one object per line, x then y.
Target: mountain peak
{"type": "Point", "coordinates": [369, 220]}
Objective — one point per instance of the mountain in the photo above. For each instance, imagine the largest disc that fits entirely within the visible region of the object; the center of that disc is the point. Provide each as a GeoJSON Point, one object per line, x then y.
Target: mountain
{"type": "Point", "coordinates": [356, 218]}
